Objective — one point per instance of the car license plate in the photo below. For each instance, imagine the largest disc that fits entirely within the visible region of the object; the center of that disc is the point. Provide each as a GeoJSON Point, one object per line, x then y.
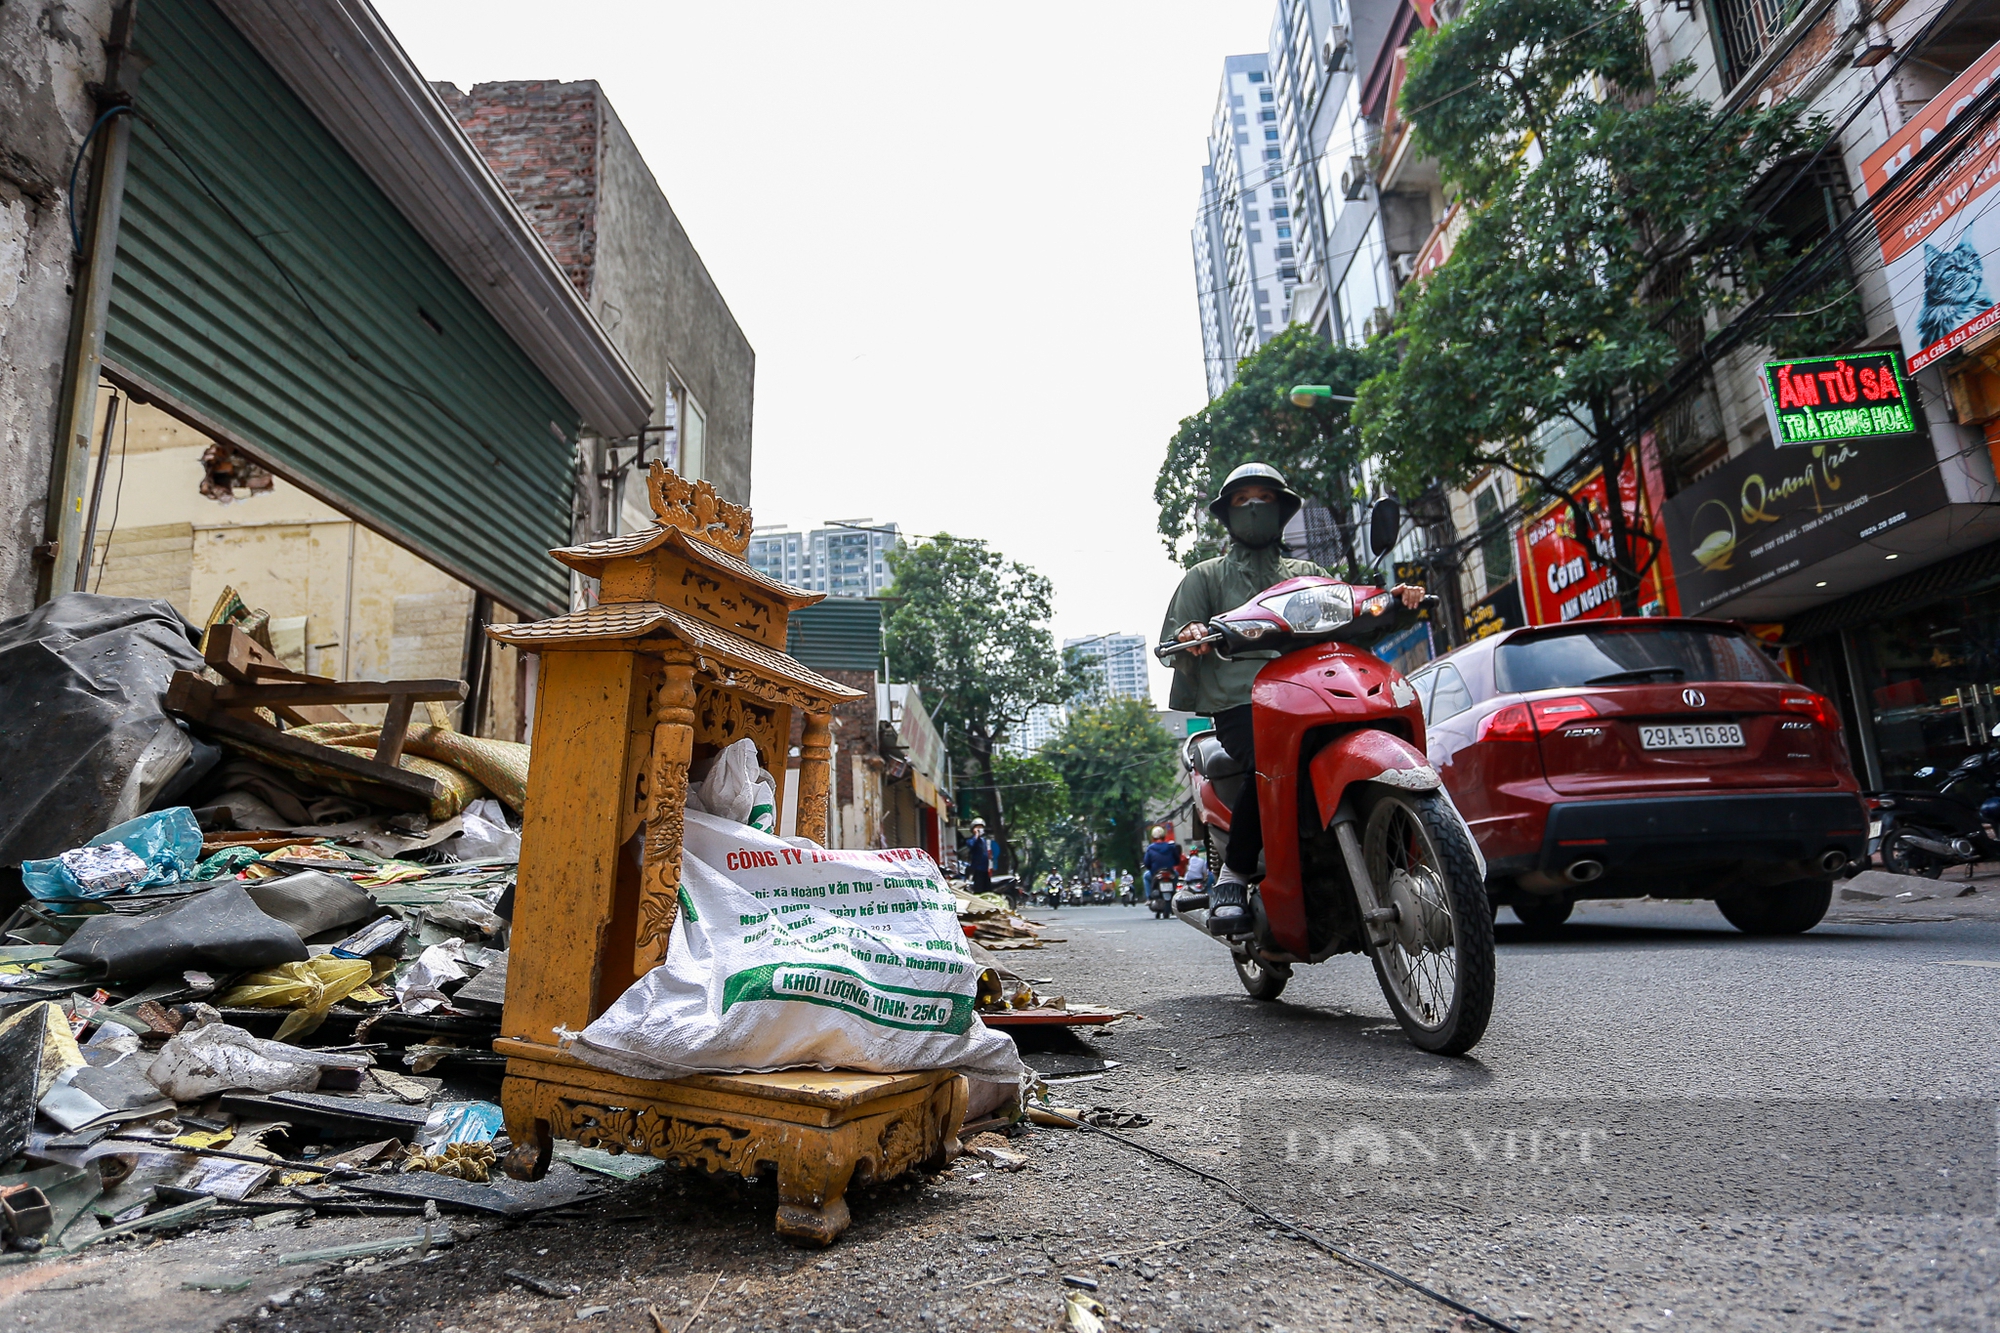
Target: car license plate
{"type": "Point", "coordinates": [1691, 736]}
{"type": "Point", "coordinates": [1874, 828]}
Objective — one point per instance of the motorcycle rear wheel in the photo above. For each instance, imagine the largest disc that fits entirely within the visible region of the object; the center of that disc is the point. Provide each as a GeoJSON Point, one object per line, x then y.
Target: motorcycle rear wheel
{"type": "Point", "coordinates": [1264, 981]}
{"type": "Point", "coordinates": [1437, 972]}
{"type": "Point", "coordinates": [1899, 858]}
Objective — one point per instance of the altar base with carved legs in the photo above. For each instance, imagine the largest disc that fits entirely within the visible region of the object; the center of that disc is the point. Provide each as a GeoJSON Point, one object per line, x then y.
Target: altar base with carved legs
{"type": "Point", "coordinates": [817, 1132]}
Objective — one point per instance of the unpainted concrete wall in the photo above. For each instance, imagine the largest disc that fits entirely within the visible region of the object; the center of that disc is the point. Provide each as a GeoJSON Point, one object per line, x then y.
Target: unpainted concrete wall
{"type": "Point", "coordinates": [668, 310]}
{"type": "Point", "coordinates": [574, 171]}
{"type": "Point", "coordinates": [49, 52]}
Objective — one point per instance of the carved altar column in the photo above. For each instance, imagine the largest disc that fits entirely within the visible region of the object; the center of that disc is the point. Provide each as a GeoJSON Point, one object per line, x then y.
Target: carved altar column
{"type": "Point", "coordinates": [815, 747]}
{"type": "Point", "coordinates": [666, 796]}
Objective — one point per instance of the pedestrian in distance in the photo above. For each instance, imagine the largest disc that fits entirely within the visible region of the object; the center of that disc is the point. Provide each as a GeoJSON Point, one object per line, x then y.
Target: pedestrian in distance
{"type": "Point", "coordinates": [981, 855]}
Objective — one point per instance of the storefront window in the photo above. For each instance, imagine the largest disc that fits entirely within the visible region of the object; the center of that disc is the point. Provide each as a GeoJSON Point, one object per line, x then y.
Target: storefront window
{"type": "Point", "coordinates": [1930, 680]}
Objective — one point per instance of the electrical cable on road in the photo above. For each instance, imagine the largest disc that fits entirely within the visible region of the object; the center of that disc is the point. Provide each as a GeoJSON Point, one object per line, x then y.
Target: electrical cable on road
{"type": "Point", "coordinates": [1317, 1242]}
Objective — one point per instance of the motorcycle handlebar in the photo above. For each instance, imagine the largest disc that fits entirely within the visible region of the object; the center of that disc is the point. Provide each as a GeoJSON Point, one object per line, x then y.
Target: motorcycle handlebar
{"type": "Point", "coordinates": [1173, 646]}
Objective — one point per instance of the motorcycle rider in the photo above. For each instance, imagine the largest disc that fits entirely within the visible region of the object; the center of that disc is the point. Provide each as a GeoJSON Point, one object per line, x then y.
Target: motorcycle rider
{"type": "Point", "coordinates": [1253, 506]}
{"type": "Point", "coordinates": [1162, 853]}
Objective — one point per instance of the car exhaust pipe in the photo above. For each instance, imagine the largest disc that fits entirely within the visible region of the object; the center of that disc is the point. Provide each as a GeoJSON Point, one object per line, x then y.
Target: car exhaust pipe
{"type": "Point", "coordinates": [1833, 862]}
{"type": "Point", "coordinates": [1582, 872]}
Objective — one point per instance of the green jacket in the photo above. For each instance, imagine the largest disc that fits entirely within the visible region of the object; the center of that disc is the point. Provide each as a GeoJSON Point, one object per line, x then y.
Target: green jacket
{"type": "Point", "coordinates": [1207, 684]}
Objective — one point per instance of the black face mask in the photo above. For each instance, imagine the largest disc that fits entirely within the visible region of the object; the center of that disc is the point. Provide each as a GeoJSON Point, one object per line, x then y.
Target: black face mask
{"type": "Point", "coordinates": [1256, 523]}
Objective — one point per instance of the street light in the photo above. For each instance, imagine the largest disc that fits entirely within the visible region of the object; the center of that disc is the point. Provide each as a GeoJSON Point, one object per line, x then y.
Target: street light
{"type": "Point", "coordinates": [1311, 395]}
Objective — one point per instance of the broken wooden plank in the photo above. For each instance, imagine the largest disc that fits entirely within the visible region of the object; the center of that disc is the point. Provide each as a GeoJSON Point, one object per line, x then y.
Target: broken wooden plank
{"type": "Point", "coordinates": [396, 726]}
{"type": "Point", "coordinates": [189, 696]}
{"type": "Point", "coordinates": [337, 691]}
{"type": "Point", "coordinates": [238, 657]}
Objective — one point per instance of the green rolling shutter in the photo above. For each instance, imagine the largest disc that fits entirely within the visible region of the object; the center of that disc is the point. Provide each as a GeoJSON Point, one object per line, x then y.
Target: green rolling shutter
{"type": "Point", "coordinates": [381, 383]}
{"type": "Point", "coordinates": [838, 634]}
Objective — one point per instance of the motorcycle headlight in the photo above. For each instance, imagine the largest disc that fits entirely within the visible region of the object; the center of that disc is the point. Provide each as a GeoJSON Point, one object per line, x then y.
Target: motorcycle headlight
{"type": "Point", "coordinates": [1326, 606]}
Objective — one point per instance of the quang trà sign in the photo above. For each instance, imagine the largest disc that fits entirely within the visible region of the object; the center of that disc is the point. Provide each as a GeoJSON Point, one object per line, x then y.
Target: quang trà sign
{"type": "Point", "coordinates": [1819, 399]}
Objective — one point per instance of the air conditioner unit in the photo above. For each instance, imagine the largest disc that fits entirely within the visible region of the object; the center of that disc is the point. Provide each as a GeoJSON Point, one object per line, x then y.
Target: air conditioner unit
{"type": "Point", "coordinates": [1338, 44]}
{"type": "Point", "coordinates": [1405, 266]}
{"type": "Point", "coordinates": [1354, 180]}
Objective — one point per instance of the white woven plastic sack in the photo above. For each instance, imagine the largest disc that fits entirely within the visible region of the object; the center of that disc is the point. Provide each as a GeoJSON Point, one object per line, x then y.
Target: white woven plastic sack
{"type": "Point", "coordinates": [789, 955]}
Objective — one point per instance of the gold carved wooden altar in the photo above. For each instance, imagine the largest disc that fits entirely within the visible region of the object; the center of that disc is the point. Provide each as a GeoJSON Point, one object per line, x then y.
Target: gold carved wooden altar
{"type": "Point", "coordinates": [682, 655]}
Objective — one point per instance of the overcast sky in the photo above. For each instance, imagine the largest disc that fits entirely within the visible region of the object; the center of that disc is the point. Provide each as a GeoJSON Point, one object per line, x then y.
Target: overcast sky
{"type": "Point", "coordinates": [956, 235]}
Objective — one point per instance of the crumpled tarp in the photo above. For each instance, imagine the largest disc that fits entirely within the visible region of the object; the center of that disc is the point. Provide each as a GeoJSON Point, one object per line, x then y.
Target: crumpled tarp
{"type": "Point", "coordinates": [312, 901]}
{"type": "Point", "coordinates": [89, 744]}
{"type": "Point", "coordinates": [220, 929]}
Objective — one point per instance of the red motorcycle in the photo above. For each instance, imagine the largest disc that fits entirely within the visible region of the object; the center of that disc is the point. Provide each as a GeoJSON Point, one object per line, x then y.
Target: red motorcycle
{"type": "Point", "coordinates": [1363, 849]}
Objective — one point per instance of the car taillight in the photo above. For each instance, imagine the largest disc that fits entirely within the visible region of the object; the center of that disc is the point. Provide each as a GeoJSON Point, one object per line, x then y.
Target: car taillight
{"type": "Point", "coordinates": [1511, 723]}
{"type": "Point", "coordinates": [1815, 706]}
{"type": "Point", "coordinates": [1552, 713]}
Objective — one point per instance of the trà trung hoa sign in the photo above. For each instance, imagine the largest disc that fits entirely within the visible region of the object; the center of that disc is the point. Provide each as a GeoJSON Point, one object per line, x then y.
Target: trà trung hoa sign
{"type": "Point", "coordinates": [1817, 399]}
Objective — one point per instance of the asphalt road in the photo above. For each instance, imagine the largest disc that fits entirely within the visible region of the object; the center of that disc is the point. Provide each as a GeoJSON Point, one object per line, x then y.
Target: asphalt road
{"type": "Point", "coordinates": [1652, 1000]}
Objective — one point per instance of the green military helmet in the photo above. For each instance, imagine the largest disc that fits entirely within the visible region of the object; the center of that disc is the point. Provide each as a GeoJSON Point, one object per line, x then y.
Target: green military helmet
{"type": "Point", "coordinates": [1255, 474]}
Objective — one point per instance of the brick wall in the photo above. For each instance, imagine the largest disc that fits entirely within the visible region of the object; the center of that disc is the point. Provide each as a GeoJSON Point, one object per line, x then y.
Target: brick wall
{"type": "Point", "coordinates": [541, 139]}
{"type": "Point", "coordinates": [853, 728]}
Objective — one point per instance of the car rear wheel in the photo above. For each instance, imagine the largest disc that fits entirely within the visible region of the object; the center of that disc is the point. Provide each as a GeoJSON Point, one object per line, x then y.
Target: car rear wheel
{"type": "Point", "coordinates": [1436, 970]}
{"type": "Point", "coordinates": [1543, 913]}
{"type": "Point", "coordinates": [1788, 909]}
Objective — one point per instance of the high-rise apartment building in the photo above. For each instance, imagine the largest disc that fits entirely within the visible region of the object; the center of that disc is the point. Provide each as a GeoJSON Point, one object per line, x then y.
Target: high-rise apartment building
{"type": "Point", "coordinates": [1244, 250]}
{"type": "Point", "coordinates": [847, 558]}
{"type": "Point", "coordinates": [1116, 663]}
{"type": "Point", "coordinates": [1042, 725]}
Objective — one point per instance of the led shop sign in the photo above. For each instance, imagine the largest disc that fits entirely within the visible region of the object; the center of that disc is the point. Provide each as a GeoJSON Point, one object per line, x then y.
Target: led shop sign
{"type": "Point", "coordinates": [1822, 398]}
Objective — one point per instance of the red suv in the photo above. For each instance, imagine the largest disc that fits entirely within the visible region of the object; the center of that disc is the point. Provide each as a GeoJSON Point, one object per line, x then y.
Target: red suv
{"type": "Point", "coordinates": [1629, 756]}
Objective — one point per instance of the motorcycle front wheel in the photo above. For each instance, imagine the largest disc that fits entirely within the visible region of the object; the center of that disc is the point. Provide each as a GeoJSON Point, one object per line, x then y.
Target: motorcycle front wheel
{"type": "Point", "coordinates": [1437, 970]}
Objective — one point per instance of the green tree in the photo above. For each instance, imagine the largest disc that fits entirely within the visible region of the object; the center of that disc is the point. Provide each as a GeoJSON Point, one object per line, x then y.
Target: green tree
{"type": "Point", "coordinates": [971, 629]}
{"type": "Point", "coordinates": [1117, 759]}
{"type": "Point", "coordinates": [1609, 214]}
{"type": "Point", "coordinates": [1255, 421]}
{"type": "Point", "coordinates": [1038, 814]}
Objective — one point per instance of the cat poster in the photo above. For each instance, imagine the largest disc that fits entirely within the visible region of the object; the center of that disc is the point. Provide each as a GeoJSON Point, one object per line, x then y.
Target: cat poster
{"type": "Point", "coordinates": [1940, 230]}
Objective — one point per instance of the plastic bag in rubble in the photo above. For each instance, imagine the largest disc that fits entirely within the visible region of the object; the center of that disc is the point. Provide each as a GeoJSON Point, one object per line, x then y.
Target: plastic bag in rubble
{"type": "Point", "coordinates": [161, 848]}
{"type": "Point", "coordinates": [786, 956]}
{"type": "Point", "coordinates": [200, 1061]}
{"type": "Point", "coordinates": [484, 832]}
{"type": "Point", "coordinates": [460, 1122]}
{"type": "Point", "coordinates": [737, 788]}
{"type": "Point", "coordinates": [308, 989]}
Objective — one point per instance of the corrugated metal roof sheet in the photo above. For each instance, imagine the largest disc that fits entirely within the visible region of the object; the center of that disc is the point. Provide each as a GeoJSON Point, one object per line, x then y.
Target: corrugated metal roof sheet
{"type": "Point", "coordinates": [838, 634]}
{"type": "Point", "coordinates": [438, 430]}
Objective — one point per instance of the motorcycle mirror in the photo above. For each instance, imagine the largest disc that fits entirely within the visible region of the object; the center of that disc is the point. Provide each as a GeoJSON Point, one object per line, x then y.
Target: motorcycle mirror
{"type": "Point", "coordinates": [1995, 733]}
{"type": "Point", "coordinates": [1385, 524]}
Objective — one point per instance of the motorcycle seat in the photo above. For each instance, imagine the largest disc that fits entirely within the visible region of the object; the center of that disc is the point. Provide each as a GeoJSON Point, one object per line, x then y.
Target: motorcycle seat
{"type": "Point", "coordinates": [1206, 756]}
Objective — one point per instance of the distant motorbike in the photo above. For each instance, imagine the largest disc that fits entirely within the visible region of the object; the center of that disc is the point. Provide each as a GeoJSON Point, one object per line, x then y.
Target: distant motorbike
{"type": "Point", "coordinates": [1008, 887]}
{"type": "Point", "coordinates": [1160, 887]}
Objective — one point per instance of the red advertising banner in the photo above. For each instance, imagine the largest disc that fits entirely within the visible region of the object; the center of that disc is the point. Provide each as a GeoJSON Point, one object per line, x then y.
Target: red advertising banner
{"type": "Point", "coordinates": [1563, 574]}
